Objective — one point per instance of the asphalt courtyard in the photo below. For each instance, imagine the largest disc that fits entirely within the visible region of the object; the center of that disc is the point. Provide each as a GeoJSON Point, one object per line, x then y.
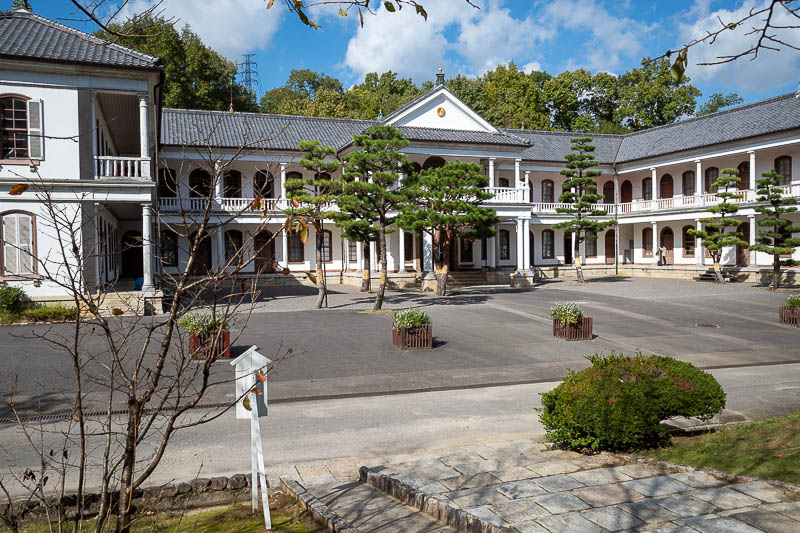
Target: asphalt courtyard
{"type": "Point", "coordinates": [487, 336]}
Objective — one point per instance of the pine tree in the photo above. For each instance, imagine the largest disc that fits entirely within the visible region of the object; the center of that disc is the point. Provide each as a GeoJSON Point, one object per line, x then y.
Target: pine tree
{"type": "Point", "coordinates": [580, 190]}
{"type": "Point", "coordinates": [446, 203]}
{"type": "Point", "coordinates": [776, 237]}
{"type": "Point", "coordinates": [371, 193]}
{"type": "Point", "coordinates": [715, 236]}
{"type": "Point", "coordinates": [311, 201]}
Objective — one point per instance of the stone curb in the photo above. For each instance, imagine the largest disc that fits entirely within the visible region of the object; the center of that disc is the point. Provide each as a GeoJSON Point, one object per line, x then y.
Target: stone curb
{"type": "Point", "coordinates": [440, 509]}
{"type": "Point", "coordinates": [321, 512]}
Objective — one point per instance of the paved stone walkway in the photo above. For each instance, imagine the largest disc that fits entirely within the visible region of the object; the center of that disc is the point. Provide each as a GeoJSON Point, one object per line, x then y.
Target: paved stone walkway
{"type": "Point", "coordinates": [522, 486]}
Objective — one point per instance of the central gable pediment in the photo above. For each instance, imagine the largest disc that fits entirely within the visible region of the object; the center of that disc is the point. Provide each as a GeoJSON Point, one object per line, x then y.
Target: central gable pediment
{"type": "Point", "coordinates": [439, 108]}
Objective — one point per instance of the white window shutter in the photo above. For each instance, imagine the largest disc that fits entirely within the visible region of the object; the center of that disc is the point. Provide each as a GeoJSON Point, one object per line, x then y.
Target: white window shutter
{"type": "Point", "coordinates": [35, 130]}
{"type": "Point", "coordinates": [10, 263]}
{"type": "Point", "coordinates": [25, 244]}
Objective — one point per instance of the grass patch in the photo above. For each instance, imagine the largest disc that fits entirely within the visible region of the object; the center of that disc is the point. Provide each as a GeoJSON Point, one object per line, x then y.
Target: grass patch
{"type": "Point", "coordinates": [287, 517]}
{"type": "Point", "coordinates": [39, 313]}
{"type": "Point", "coordinates": [768, 449]}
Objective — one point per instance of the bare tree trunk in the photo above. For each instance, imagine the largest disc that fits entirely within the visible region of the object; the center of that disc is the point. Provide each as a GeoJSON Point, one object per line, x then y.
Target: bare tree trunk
{"type": "Point", "coordinates": [126, 480]}
{"type": "Point", "coordinates": [776, 273]}
{"type": "Point", "coordinates": [441, 242]}
{"type": "Point", "coordinates": [578, 259]}
{"type": "Point", "coordinates": [321, 288]}
{"type": "Point", "coordinates": [718, 268]}
{"type": "Point", "coordinates": [382, 253]}
{"type": "Point", "coordinates": [365, 278]}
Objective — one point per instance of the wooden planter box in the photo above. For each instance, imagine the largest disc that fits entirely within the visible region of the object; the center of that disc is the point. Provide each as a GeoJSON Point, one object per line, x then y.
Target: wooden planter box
{"type": "Point", "coordinates": [199, 345]}
{"type": "Point", "coordinates": [789, 316]}
{"type": "Point", "coordinates": [414, 338]}
{"type": "Point", "coordinates": [582, 331]}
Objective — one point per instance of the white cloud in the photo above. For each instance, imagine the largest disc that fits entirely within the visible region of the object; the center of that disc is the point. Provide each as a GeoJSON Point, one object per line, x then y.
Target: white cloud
{"type": "Point", "coordinates": [613, 40]}
{"type": "Point", "coordinates": [770, 69]}
{"type": "Point", "coordinates": [533, 66]}
{"type": "Point", "coordinates": [232, 27]}
{"type": "Point", "coordinates": [474, 39]}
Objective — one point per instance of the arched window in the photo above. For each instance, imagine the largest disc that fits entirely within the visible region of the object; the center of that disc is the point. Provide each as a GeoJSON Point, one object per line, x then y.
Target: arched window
{"type": "Point", "coordinates": [626, 192]}
{"type": "Point", "coordinates": [647, 242]}
{"type": "Point", "coordinates": [591, 244]}
{"type": "Point", "coordinates": [647, 189]}
{"type": "Point", "coordinates": [234, 241]}
{"type": "Point", "coordinates": [688, 242]}
{"type": "Point", "coordinates": [169, 248]}
{"type": "Point", "coordinates": [433, 162]}
{"type": "Point", "coordinates": [167, 185]}
{"type": "Point", "coordinates": [199, 184]}
{"type": "Point", "coordinates": [466, 250]}
{"type": "Point", "coordinates": [548, 244]}
{"type": "Point", "coordinates": [503, 182]}
{"type": "Point", "coordinates": [296, 248]}
{"type": "Point", "coordinates": [688, 183]}
{"type": "Point", "coordinates": [415, 167]}
{"type": "Point", "coordinates": [232, 184]}
{"type": "Point", "coordinates": [783, 166]}
{"type": "Point", "coordinates": [744, 175]}
{"type": "Point", "coordinates": [264, 184]}
{"type": "Point", "coordinates": [712, 173]}
{"type": "Point", "coordinates": [19, 243]}
{"type": "Point", "coordinates": [505, 244]}
{"type": "Point", "coordinates": [608, 192]}
{"type": "Point", "coordinates": [548, 193]}
{"type": "Point", "coordinates": [666, 187]}
{"type": "Point", "coordinates": [13, 127]}
{"type": "Point", "coordinates": [327, 239]}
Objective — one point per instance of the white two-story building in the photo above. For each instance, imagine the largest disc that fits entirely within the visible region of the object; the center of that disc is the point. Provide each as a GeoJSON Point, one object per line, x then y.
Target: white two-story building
{"type": "Point", "coordinates": [81, 119]}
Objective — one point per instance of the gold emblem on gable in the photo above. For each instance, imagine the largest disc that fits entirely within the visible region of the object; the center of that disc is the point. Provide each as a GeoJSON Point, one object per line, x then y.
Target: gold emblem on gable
{"type": "Point", "coordinates": [440, 111]}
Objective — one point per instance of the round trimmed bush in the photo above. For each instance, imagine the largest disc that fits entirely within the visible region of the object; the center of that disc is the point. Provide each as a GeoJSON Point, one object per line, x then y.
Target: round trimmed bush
{"type": "Point", "coordinates": [12, 299]}
{"type": "Point", "coordinates": [619, 402]}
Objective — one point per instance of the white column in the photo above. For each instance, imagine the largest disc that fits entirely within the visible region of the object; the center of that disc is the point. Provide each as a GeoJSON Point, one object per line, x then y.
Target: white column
{"type": "Point", "coordinates": [144, 136]}
{"type": "Point", "coordinates": [526, 242]}
{"type": "Point", "coordinates": [491, 252]}
{"type": "Point", "coordinates": [283, 180]}
{"type": "Point", "coordinates": [752, 154]}
{"type": "Point", "coordinates": [698, 178]}
{"type": "Point", "coordinates": [345, 255]}
{"type": "Point", "coordinates": [520, 247]}
{"type": "Point", "coordinates": [220, 248]}
{"type": "Point", "coordinates": [527, 196]}
{"type": "Point", "coordinates": [655, 242]}
{"type": "Point", "coordinates": [517, 177]}
{"type": "Point", "coordinates": [752, 220]}
{"type": "Point", "coordinates": [93, 104]}
{"type": "Point", "coordinates": [147, 247]}
{"type": "Point", "coordinates": [401, 252]}
{"type": "Point", "coordinates": [491, 172]}
{"type": "Point", "coordinates": [360, 256]}
{"type": "Point", "coordinates": [373, 261]}
{"type": "Point", "coordinates": [220, 180]}
{"type": "Point", "coordinates": [285, 248]}
{"type": "Point", "coordinates": [699, 252]}
{"type": "Point", "coordinates": [427, 252]}
{"type": "Point", "coordinates": [654, 180]}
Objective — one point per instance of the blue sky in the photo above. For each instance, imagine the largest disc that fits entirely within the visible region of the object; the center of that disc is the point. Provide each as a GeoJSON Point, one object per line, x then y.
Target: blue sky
{"type": "Point", "coordinates": [610, 36]}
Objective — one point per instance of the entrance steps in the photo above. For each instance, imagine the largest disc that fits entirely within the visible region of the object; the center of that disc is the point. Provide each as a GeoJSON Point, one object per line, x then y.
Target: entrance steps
{"type": "Point", "coordinates": [369, 510]}
{"type": "Point", "coordinates": [466, 278]}
{"type": "Point", "coordinates": [709, 276]}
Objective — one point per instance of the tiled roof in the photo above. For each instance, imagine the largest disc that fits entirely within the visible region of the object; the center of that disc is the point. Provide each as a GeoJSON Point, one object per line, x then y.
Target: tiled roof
{"type": "Point", "coordinates": [29, 36]}
{"type": "Point", "coordinates": [760, 118]}
{"type": "Point", "coordinates": [274, 132]}
{"type": "Point", "coordinates": [551, 146]}
{"type": "Point", "coordinates": [284, 132]}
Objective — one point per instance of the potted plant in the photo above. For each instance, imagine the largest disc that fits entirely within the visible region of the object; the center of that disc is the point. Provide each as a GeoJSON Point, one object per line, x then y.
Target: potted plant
{"type": "Point", "coordinates": [790, 313]}
{"type": "Point", "coordinates": [569, 322]}
{"type": "Point", "coordinates": [412, 329]}
{"type": "Point", "coordinates": [203, 330]}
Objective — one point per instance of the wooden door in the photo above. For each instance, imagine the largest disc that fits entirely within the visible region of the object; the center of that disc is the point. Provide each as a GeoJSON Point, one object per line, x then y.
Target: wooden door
{"type": "Point", "coordinates": [626, 192]}
{"type": "Point", "coordinates": [568, 249]}
{"type": "Point", "coordinates": [264, 245]}
{"type": "Point", "coordinates": [131, 255]}
{"type": "Point", "coordinates": [668, 242]}
{"type": "Point", "coordinates": [202, 261]}
{"type": "Point", "coordinates": [667, 186]}
{"type": "Point", "coordinates": [611, 256]}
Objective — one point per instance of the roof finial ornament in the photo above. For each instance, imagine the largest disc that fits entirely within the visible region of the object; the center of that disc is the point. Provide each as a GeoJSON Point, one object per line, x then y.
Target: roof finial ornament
{"type": "Point", "coordinates": [440, 78]}
{"type": "Point", "coordinates": [21, 5]}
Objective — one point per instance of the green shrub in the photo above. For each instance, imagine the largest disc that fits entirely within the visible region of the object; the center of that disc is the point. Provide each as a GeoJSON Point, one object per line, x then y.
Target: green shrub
{"type": "Point", "coordinates": [49, 313]}
{"type": "Point", "coordinates": [408, 318]}
{"type": "Point", "coordinates": [12, 299]}
{"type": "Point", "coordinates": [619, 402]}
{"type": "Point", "coordinates": [200, 324]}
{"type": "Point", "coordinates": [793, 300]}
{"type": "Point", "coordinates": [567, 313]}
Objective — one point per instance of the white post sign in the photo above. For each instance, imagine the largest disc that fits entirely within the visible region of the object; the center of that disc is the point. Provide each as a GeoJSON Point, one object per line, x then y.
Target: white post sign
{"type": "Point", "coordinates": [252, 390]}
